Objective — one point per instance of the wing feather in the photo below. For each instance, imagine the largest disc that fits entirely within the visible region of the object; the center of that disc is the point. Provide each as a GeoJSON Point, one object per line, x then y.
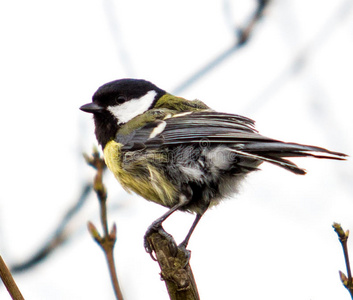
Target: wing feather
{"type": "Point", "coordinates": [213, 128]}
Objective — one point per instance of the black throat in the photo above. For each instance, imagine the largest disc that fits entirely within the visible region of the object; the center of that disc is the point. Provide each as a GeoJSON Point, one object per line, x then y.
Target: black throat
{"type": "Point", "coordinates": [106, 128]}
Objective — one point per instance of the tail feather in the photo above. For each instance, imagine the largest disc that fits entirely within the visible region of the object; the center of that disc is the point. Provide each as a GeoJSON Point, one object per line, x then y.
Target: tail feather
{"type": "Point", "coordinates": [291, 149]}
{"type": "Point", "coordinates": [274, 152]}
{"type": "Point", "coordinates": [286, 164]}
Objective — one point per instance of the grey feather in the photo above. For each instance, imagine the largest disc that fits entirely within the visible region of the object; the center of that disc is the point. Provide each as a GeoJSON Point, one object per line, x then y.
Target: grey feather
{"type": "Point", "coordinates": [211, 129]}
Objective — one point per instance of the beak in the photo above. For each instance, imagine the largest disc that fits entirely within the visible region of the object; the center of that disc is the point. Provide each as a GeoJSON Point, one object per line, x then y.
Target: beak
{"type": "Point", "coordinates": [91, 108]}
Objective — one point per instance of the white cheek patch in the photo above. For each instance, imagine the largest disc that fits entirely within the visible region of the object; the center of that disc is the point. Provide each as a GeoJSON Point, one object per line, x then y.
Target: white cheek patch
{"type": "Point", "coordinates": [132, 108]}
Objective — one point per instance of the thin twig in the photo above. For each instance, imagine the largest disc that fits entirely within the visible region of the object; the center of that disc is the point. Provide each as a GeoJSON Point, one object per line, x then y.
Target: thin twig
{"type": "Point", "coordinates": [243, 35]}
{"type": "Point", "coordinates": [9, 282]}
{"type": "Point", "coordinates": [107, 241]}
{"type": "Point", "coordinates": [343, 238]}
{"type": "Point", "coordinates": [117, 35]}
{"type": "Point", "coordinates": [301, 58]}
{"type": "Point", "coordinates": [58, 237]}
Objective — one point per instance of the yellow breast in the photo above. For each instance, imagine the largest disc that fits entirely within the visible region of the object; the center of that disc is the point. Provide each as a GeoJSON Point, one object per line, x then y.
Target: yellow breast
{"type": "Point", "coordinates": [135, 173]}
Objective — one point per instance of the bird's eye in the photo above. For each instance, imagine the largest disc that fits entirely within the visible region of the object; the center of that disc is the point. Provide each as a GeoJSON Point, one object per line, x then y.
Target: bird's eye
{"type": "Point", "coordinates": [120, 99]}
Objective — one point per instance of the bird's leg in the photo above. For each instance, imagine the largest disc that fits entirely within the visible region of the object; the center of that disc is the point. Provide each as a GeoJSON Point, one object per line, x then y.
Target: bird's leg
{"type": "Point", "coordinates": [185, 242]}
{"type": "Point", "coordinates": [156, 226]}
{"type": "Point", "coordinates": [182, 246]}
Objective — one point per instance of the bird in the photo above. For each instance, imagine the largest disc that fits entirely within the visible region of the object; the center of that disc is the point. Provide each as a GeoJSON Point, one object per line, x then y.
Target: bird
{"type": "Point", "coordinates": [180, 153]}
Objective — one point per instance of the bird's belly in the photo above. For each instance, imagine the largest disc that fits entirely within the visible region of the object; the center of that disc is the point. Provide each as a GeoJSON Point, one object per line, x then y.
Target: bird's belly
{"type": "Point", "coordinates": [139, 176]}
{"type": "Point", "coordinates": [162, 182]}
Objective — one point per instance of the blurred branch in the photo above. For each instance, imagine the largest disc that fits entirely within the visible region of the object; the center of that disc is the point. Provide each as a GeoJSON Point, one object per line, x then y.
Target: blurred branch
{"type": "Point", "coordinates": [243, 36]}
{"type": "Point", "coordinates": [57, 238]}
{"type": "Point", "coordinates": [9, 282]}
{"type": "Point", "coordinates": [107, 241]}
{"type": "Point", "coordinates": [343, 238]}
{"type": "Point", "coordinates": [175, 268]}
{"type": "Point", "coordinates": [114, 26]}
{"type": "Point", "coordinates": [301, 58]}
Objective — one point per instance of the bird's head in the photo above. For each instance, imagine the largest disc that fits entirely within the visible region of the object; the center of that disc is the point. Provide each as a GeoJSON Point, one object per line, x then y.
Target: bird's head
{"type": "Point", "coordinates": [116, 103]}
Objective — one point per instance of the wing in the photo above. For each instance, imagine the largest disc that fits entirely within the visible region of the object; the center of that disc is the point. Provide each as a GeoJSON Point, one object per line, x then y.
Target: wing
{"type": "Point", "coordinates": [207, 128]}
{"type": "Point", "coordinates": [191, 127]}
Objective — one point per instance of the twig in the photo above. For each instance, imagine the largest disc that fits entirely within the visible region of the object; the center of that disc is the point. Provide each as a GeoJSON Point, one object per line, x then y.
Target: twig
{"type": "Point", "coordinates": [175, 268]}
{"type": "Point", "coordinates": [123, 52]}
{"type": "Point", "coordinates": [60, 235]}
{"type": "Point", "coordinates": [107, 241]}
{"type": "Point", "coordinates": [9, 282]}
{"type": "Point", "coordinates": [343, 238]}
{"type": "Point", "coordinates": [243, 36]}
{"type": "Point", "coordinates": [301, 58]}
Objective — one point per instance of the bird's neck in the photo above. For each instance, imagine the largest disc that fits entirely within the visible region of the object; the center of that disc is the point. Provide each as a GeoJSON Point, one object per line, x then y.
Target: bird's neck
{"type": "Point", "coordinates": [179, 104]}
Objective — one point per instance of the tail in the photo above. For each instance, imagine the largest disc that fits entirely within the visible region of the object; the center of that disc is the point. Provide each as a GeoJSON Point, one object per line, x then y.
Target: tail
{"type": "Point", "coordinates": [273, 152]}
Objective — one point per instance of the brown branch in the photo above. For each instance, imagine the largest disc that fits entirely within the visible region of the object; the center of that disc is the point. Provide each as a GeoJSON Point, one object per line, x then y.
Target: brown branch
{"type": "Point", "coordinates": [107, 241]}
{"type": "Point", "coordinates": [343, 238]}
{"type": "Point", "coordinates": [9, 282]}
{"type": "Point", "coordinates": [175, 268]}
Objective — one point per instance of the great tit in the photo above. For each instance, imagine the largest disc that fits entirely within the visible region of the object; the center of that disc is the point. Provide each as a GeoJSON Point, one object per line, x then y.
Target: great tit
{"type": "Point", "coordinates": [179, 153]}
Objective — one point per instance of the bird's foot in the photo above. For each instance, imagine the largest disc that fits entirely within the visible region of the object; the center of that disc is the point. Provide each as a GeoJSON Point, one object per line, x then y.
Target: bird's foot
{"type": "Point", "coordinates": [176, 251]}
{"type": "Point", "coordinates": [186, 253]}
{"type": "Point", "coordinates": [156, 227]}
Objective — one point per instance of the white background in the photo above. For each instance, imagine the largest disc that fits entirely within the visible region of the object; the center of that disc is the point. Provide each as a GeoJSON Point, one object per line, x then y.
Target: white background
{"type": "Point", "coordinates": [272, 241]}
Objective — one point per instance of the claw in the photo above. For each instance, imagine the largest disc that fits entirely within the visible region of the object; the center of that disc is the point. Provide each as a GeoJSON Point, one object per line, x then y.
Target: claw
{"type": "Point", "coordinates": [187, 254]}
{"type": "Point", "coordinates": [148, 248]}
{"type": "Point", "coordinates": [156, 227]}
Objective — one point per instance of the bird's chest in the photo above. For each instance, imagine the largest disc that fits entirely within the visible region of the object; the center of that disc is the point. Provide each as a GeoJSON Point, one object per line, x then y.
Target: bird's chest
{"type": "Point", "coordinates": [136, 172]}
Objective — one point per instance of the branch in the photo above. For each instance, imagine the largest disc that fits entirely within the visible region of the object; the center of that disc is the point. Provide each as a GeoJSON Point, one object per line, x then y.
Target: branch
{"type": "Point", "coordinates": [107, 241]}
{"type": "Point", "coordinates": [175, 268]}
{"type": "Point", "coordinates": [243, 36]}
{"type": "Point", "coordinates": [301, 58]}
{"type": "Point", "coordinates": [9, 282]}
{"type": "Point", "coordinates": [343, 238]}
{"type": "Point", "coordinates": [60, 235]}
